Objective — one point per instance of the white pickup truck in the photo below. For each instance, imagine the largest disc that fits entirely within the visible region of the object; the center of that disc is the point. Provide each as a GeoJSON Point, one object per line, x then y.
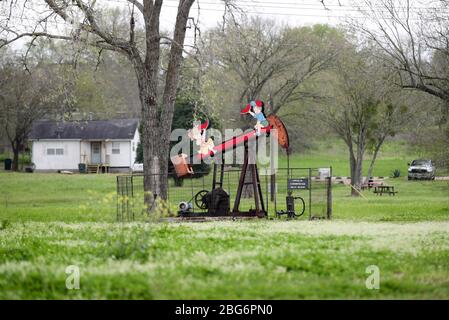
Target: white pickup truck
{"type": "Point", "coordinates": [421, 169]}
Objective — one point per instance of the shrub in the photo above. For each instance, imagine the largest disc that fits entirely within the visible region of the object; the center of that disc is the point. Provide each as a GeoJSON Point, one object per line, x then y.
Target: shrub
{"type": "Point", "coordinates": [396, 173]}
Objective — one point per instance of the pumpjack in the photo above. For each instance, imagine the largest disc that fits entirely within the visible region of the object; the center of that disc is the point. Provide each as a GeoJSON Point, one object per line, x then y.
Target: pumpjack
{"type": "Point", "coordinates": [217, 201]}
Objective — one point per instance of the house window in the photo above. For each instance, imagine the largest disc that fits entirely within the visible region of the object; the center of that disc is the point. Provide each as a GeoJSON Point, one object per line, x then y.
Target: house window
{"type": "Point", "coordinates": [115, 147]}
{"type": "Point", "coordinates": [55, 151]}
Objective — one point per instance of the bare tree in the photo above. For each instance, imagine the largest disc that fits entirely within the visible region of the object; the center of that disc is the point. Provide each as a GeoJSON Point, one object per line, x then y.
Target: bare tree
{"type": "Point", "coordinates": [414, 40]}
{"type": "Point", "coordinates": [87, 27]}
{"type": "Point", "coordinates": [265, 59]}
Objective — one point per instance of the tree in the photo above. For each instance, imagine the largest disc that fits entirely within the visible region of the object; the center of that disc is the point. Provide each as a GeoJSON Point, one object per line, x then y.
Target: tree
{"type": "Point", "coordinates": [88, 27]}
{"type": "Point", "coordinates": [100, 86]}
{"type": "Point", "coordinates": [24, 98]}
{"type": "Point", "coordinates": [413, 41]}
{"type": "Point", "coordinates": [256, 58]}
{"type": "Point", "coordinates": [183, 119]}
{"type": "Point", "coordinates": [390, 118]}
{"type": "Point", "coordinates": [362, 112]}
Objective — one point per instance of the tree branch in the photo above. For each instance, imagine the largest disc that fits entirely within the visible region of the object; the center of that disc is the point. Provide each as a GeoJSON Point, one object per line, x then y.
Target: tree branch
{"type": "Point", "coordinates": [137, 4]}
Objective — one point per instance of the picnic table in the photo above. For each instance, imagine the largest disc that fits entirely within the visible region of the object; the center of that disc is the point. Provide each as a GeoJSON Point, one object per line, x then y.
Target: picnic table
{"type": "Point", "coordinates": [371, 184]}
{"type": "Point", "coordinates": [380, 190]}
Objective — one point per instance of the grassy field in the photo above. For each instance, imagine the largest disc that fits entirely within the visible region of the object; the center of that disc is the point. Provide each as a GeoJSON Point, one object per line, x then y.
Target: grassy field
{"type": "Point", "coordinates": [248, 260]}
{"type": "Point", "coordinates": [51, 221]}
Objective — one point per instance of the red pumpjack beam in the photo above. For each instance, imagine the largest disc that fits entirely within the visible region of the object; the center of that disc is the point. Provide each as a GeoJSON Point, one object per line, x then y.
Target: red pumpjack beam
{"type": "Point", "coordinates": [183, 167]}
{"type": "Point", "coordinates": [231, 143]}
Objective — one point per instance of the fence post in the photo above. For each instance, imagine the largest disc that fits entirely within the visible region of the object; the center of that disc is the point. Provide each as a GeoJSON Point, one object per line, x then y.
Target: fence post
{"type": "Point", "coordinates": [272, 186]}
{"type": "Point", "coordinates": [132, 197]}
{"type": "Point", "coordinates": [266, 195]}
{"type": "Point", "coordinates": [118, 198]}
{"type": "Point", "coordinates": [310, 193]}
{"type": "Point", "coordinates": [329, 195]}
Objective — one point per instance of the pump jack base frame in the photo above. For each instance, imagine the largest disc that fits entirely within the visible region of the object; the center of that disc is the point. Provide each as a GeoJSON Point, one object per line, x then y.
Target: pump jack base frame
{"type": "Point", "coordinates": [207, 218]}
{"type": "Point", "coordinates": [244, 214]}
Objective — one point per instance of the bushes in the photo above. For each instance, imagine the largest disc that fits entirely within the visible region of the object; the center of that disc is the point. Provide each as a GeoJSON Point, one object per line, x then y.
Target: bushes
{"type": "Point", "coordinates": [24, 158]}
{"type": "Point", "coordinates": [396, 173]}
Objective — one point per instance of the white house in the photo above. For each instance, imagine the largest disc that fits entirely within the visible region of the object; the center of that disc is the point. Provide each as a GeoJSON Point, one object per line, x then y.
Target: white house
{"type": "Point", "coordinates": [63, 145]}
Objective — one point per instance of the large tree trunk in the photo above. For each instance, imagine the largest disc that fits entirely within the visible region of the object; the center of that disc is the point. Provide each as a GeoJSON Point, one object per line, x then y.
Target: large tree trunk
{"type": "Point", "coordinates": [155, 145]}
{"type": "Point", "coordinates": [358, 172]}
{"type": "Point", "coordinates": [15, 146]}
{"type": "Point", "coordinates": [355, 164]}
{"type": "Point", "coordinates": [354, 177]}
{"type": "Point", "coordinates": [157, 115]}
{"type": "Point", "coordinates": [151, 162]}
{"type": "Point", "coordinates": [147, 82]}
{"type": "Point", "coordinates": [15, 159]}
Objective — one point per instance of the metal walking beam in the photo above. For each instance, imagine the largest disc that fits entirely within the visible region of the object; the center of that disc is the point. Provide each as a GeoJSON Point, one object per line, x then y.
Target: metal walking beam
{"type": "Point", "coordinates": [183, 163]}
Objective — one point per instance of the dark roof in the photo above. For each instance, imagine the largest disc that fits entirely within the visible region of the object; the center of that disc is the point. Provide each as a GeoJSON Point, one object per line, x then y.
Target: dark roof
{"type": "Point", "coordinates": [88, 130]}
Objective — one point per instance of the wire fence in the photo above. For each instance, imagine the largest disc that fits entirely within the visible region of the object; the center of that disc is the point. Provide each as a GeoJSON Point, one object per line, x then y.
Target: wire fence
{"type": "Point", "coordinates": [310, 188]}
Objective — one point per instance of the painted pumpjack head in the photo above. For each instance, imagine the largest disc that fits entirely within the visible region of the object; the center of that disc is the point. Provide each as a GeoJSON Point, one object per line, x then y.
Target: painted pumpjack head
{"type": "Point", "coordinates": [258, 103]}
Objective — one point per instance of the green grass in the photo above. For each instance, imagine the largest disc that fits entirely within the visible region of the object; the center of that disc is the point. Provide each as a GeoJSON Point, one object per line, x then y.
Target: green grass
{"type": "Point", "coordinates": [56, 197]}
{"type": "Point", "coordinates": [415, 201]}
{"type": "Point", "coordinates": [79, 198]}
{"type": "Point", "coordinates": [51, 221]}
{"type": "Point", "coordinates": [225, 260]}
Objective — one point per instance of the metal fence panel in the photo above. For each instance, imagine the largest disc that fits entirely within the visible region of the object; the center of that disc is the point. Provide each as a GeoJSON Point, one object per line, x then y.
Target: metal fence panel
{"type": "Point", "coordinates": [308, 184]}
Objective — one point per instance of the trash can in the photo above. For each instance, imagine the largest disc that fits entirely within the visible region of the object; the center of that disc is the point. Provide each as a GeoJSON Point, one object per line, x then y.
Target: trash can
{"type": "Point", "coordinates": [30, 168]}
{"type": "Point", "coordinates": [8, 164]}
{"type": "Point", "coordinates": [82, 167]}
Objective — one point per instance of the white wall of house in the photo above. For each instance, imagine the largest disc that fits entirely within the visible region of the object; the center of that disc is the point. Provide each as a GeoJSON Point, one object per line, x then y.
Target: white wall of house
{"type": "Point", "coordinates": [56, 154]}
{"type": "Point", "coordinates": [119, 153]}
{"type": "Point", "coordinates": [67, 154]}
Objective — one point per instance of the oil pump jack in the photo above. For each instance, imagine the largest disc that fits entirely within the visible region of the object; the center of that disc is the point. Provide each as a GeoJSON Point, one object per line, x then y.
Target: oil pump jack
{"type": "Point", "coordinates": [217, 201]}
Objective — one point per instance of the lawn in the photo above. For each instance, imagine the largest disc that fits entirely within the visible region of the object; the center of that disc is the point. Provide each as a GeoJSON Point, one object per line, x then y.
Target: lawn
{"type": "Point", "coordinates": [245, 260]}
{"type": "Point", "coordinates": [51, 221]}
